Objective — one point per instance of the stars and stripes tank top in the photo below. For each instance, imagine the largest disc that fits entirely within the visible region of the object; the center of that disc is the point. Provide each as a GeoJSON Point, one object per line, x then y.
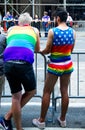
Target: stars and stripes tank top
{"type": "Point", "coordinates": [60, 58]}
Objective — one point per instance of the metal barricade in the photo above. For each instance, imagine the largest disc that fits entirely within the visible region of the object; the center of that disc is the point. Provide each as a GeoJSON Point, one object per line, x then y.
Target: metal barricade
{"type": "Point", "coordinates": [76, 89]}
{"type": "Point", "coordinates": [40, 74]}
{"type": "Point", "coordinates": [77, 25]}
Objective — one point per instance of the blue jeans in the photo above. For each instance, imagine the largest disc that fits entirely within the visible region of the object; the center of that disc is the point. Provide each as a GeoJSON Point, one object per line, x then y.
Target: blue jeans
{"type": "Point", "coordinates": [46, 28]}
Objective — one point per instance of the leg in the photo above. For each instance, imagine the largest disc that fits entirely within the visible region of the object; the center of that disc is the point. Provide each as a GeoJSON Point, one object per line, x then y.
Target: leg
{"type": "Point", "coordinates": [46, 31]}
{"type": "Point", "coordinates": [2, 83]}
{"type": "Point", "coordinates": [64, 82]}
{"type": "Point", "coordinates": [25, 98]}
{"type": "Point", "coordinates": [16, 109]}
{"type": "Point", "coordinates": [28, 82]}
{"type": "Point", "coordinates": [48, 88]}
{"type": "Point", "coordinates": [18, 101]}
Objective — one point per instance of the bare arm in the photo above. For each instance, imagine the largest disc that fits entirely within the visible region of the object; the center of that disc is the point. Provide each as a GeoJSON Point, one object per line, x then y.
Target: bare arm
{"type": "Point", "coordinates": [48, 47]}
{"type": "Point", "coordinates": [74, 40]}
{"type": "Point", "coordinates": [37, 47]}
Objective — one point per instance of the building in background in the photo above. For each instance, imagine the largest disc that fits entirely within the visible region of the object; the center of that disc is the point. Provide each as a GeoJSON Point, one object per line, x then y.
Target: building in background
{"type": "Point", "coordinates": [39, 6]}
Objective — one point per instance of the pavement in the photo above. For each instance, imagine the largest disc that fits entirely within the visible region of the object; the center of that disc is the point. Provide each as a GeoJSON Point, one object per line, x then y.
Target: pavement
{"type": "Point", "coordinates": [75, 117]}
{"type": "Point", "coordinates": [53, 128]}
{"type": "Point", "coordinates": [76, 111]}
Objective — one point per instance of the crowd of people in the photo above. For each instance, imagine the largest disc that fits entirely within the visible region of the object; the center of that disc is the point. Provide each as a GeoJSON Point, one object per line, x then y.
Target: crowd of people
{"type": "Point", "coordinates": [17, 58]}
{"type": "Point", "coordinates": [45, 22]}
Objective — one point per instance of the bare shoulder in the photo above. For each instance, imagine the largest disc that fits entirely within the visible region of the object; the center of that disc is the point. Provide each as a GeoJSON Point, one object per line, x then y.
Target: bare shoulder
{"type": "Point", "coordinates": [74, 32]}
{"type": "Point", "coordinates": [36, 30]}
{"type": "Point", "coordinates": [10, 29]}
{"type": "Point", "coordinates": [50, 32]}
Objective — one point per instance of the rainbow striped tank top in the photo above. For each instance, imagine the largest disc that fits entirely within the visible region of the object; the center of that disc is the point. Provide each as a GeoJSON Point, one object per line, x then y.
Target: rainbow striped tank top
{"type": "Point", "coordinates": [60, 58]}
{"type": "Point", "coordinates": [21, 41]}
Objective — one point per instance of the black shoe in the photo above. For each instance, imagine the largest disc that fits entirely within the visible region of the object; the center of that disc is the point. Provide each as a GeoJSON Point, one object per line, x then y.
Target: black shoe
{"type": "Point", "coordinates": [40, 34]}
{"type": "Point", "coordinates": [46, 34]}
{"type": "Point", "coordinates": [5, 124]}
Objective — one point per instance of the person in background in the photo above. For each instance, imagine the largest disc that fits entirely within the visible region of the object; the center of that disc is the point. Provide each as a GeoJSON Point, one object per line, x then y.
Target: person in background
{"type": "Point", "coordinates": [46, 23]}
{"type": "Point", "coordinates": [16, 19]}
{"type": "Point", "coordinates": [0, 18]}
{"type": "Point", "coordinates": [60, 44]}
{"type": "Point", "coordinates": [36, 23]}
{"type": "Point", "coordinates": [69, 21]}
{"type": "Point", "coordinates": [2, 76]}
{"type": "Point", "coordinates": [22, 41]}
{"type": "Point", "coordinates": [8, 18]}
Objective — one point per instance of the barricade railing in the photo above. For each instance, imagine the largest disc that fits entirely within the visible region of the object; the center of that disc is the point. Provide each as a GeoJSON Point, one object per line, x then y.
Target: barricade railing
{"type": "Point", "coordinates": [77, 25]}
{"type": "Point", "coordinates": [76, 85]}
{"type": "Point", "coordinates": [42, 74]}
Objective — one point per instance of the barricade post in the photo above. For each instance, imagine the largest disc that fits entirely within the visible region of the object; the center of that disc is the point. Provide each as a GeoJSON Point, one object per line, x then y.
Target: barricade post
{"type": "Point", "coordinates": [5, 28]}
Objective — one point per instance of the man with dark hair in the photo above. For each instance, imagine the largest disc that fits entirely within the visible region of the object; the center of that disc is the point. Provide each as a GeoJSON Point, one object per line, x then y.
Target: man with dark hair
{"type": "Point", "coordinates": [60, 44]}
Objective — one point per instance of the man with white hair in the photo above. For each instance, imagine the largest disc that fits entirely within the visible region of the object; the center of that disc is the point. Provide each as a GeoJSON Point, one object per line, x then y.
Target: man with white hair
{"type": "Point", "coordinates": [22, 41]}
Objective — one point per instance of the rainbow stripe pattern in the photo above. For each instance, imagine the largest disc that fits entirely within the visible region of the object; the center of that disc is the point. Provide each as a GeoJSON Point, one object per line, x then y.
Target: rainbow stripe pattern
{"type": "Point", "coordinates": [21, 41]}
{"type": "Point", "coordinates": [60, 58]}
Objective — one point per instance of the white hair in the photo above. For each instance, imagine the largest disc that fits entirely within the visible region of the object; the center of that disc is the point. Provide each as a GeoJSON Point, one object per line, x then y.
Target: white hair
{"type": "Point", "coordinates": [25, 18]}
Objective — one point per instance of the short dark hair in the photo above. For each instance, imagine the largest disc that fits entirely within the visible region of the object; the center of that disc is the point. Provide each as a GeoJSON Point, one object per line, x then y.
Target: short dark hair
{"type": "Point", "coordinates": [61, 13]}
